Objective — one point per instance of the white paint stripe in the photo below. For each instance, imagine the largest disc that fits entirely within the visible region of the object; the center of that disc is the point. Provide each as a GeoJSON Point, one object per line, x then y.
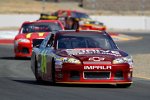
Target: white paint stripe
{"type": "Point", "coordinates": [143, 77]}
{"type": "Point", "coordinates": [8, 34]}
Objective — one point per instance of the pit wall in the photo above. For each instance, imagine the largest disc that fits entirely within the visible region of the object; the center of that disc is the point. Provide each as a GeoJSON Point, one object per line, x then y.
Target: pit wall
{"type": "Point", "coordinates": [112, 22]}
{"type": "Point", "coordinates": [125, 22]}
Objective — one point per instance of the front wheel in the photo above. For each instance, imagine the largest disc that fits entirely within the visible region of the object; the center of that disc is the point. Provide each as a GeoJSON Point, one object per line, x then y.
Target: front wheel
{"type": "Point", "coordinates": [123, 85]}
{"type": "Point", "coordinates": [53, 71]}
{"type": "Point", "coordinates": [37, 76]}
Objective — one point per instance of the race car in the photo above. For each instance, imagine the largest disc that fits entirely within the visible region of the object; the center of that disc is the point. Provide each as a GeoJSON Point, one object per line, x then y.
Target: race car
{"type": "Point", "coordinates": [29, 31]}
{"type": "Point", "coordinates": [81, 57]}
{"type": "Point", "coordinates": [71, 13]}
{"type": "Point", "coordinates": [85, 22]}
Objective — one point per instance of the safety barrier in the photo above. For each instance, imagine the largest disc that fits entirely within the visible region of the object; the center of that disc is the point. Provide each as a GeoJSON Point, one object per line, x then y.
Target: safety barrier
{"type": "Point", "coordinates": [112, 22]}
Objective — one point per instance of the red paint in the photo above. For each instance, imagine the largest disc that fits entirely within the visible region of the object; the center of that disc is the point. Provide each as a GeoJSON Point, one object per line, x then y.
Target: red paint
{"type": "Point", "coordinates": [113, 34]}
{"type": "Point", "coordinates": [6, 41]}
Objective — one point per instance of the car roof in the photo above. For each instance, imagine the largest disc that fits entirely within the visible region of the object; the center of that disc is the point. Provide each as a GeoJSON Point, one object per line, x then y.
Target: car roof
{"type": "Point", "coordinates": [71, 11]}
{"type": "Point", "coordinates": [38, 21]}
{"type": "Point", "coordinates": [80, 32]}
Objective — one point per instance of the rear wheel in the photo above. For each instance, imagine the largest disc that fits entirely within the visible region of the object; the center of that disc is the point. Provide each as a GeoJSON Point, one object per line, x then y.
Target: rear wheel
{"type": "Point", "coordinates": [123, 85]}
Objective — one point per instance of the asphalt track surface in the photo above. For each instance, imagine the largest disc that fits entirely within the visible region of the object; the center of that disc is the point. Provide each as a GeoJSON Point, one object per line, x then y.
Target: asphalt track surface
{"type": "Point", "coordinates": [17, 81]}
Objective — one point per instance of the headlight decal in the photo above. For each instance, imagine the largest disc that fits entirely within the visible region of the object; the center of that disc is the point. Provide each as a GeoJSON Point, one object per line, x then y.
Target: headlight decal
{"type": "Point", "coordinates": [70, 60]}
{"type": "Point", "coordinates": [22, 40]}
{"type": "Point", "coordinates": [127, 59]}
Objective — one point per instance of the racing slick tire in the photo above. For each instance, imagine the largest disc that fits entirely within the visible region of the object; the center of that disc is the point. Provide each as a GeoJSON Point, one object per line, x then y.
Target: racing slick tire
{"type": "Point", "coordinates": [37, 76]}
{"type": "Point", "coordinates": [123, 85]}
{"type": "Point", "coordinates": [53, 71]}
{"type": "Point", "coordinates": [18, 58]}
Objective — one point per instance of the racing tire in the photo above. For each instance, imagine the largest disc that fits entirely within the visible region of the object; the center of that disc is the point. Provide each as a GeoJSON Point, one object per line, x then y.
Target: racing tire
{"type": "Point", "coordinates": [123, 85]}
{"type": "Point", "coordinates": [38, 78]}
{"type": "Point", "coordinates": [53, 71]}
{"type": "Point", "coordinates": [18, 58]}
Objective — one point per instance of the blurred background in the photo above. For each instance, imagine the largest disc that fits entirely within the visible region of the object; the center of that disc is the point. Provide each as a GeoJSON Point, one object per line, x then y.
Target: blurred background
{"type": "Point", "coordinates": [111, 12]}
{"type": "Point", "coordinates": [101, 7]}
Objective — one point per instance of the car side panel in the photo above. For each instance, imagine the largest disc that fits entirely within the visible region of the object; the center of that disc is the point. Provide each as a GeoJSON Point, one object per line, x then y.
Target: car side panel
{"type": "Point", "coordinates": [49, 66]}
{"type": "Point", "coordinates": [34, 58]}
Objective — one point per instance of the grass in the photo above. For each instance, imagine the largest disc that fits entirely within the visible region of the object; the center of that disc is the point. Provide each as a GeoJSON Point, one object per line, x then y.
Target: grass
{"type": "Point", "coordinates": [8, 28]}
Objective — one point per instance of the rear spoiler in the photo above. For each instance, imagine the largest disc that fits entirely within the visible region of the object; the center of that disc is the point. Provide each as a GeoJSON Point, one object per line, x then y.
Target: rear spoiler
{"type": "Point", "coordinates": [47, 17]}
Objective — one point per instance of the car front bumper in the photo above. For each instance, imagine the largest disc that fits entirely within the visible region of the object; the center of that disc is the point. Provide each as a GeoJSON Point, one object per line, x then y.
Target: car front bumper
{"type": "Point", "coordinates": [76, 74]}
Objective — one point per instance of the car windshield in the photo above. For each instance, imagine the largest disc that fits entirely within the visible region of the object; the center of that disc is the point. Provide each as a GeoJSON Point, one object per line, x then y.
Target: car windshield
{"type": "Point", "coordinates": [79, 15]}
{"type": "Point", "coordinates": [40, 27]}
{"type": "Point", "coordinates": [72, 41]}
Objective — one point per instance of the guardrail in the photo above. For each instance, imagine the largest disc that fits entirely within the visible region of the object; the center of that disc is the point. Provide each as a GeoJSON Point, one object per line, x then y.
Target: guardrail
{"type": "Point", "coordinates": [112, 22]}
{"type": "Point", "coordinates": [125, 22]}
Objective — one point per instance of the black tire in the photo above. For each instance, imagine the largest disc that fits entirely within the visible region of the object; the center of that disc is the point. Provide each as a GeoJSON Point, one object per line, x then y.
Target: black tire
{"type": "Point", "coordinates": [53, 71]}
{"type": "Point", "coordinates": [123, 85]}
{"type": "Point", "coordinates": [18, 58]}
{"type": "Point", "coordinates": [37, 76]}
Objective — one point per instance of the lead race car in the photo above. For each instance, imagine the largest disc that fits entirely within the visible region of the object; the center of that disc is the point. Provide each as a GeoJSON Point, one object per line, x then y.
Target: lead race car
{"type": "Point", "coordinates": [29, 31]}
{"type": "Point", "coordinates": [81, 57]}
{"type": "Point", "coordinates": [84, 20]}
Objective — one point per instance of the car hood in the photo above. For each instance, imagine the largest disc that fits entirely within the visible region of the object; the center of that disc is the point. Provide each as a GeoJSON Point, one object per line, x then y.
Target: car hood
{"type": "Point", "coordinates": [32, 36]}
{"type": "Point", "coordinates": [92, 54]}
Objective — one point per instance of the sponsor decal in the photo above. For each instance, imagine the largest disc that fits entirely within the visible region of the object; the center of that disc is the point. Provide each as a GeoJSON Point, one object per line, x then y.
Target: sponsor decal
{"type": "Point", "coordinates": [41, 34]}
{"type": "Point", "coordinates": [58, 63]}
{"type": "Point", "coordinates": [43, 62]}
{"type": "Point", "coordinates": [58, 66]}
{"type": "Point", "coordinates": [97, 67]}
{"type": "Point", "coordinates": [97, 62]}
{"type": "Point", "coordinates": [92, 51]}
{"type": "Point", "coordinates": [96, 59]}
{"type": "Point", "coordinates": [28, 35]}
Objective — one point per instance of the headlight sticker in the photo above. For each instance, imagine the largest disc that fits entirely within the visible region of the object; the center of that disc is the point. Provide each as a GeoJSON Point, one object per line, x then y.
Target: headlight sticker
{"type": "Point", "coordinates": [127, 59]}
{"type": "Point", "coordinates": [22, 40]}
{"type": "Point", "coordinates": [70, 60]}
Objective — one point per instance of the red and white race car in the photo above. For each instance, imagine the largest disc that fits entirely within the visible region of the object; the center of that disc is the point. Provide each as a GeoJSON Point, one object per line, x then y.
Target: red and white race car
{"type": "Point", "coordinates": [30, 31]}
{"type": "Point", "coordinates": [81, 57]}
